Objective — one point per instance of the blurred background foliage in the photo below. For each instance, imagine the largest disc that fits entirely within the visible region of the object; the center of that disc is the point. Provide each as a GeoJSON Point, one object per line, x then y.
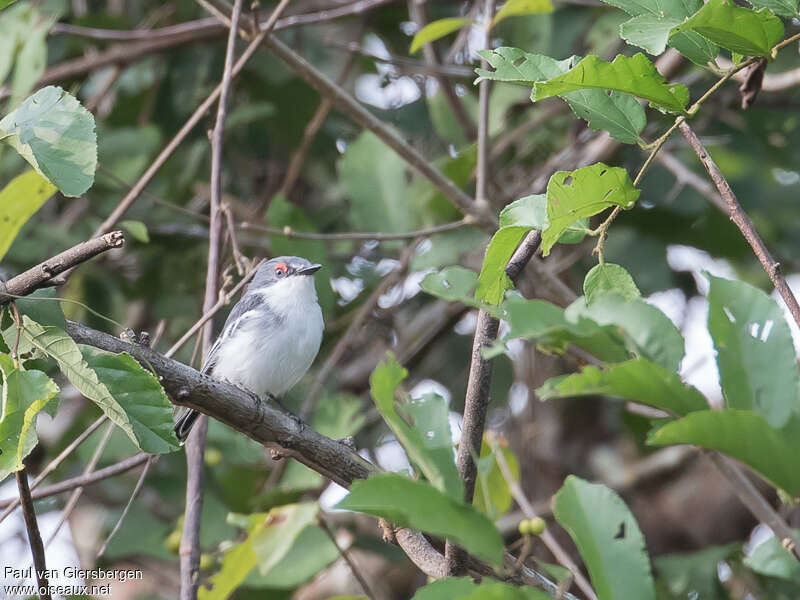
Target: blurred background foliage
{"type": "Point", "coordinates": [350, 181]}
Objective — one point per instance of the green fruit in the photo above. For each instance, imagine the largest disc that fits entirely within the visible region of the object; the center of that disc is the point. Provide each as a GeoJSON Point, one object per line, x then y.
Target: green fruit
{"type": "Point", "coordinates": [537, 526]}
{"type": "Point", "coordinates": [206, 561]}
{"type": "Point", "coordinates": [173, 542]}
{"type": "Point", "coordinates": [213, 457]}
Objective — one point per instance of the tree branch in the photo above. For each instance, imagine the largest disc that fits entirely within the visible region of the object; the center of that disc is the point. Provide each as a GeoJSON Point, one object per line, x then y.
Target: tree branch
{"type": "Point", "coordinates": [34, 537]}
{"type": "Point", "coordinates": [43, 273]}
{"type": "Point", "coordinates": [743, 222]}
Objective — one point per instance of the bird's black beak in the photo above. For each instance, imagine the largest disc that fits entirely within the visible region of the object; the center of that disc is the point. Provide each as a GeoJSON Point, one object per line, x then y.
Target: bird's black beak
{"type": "Point", "coordinates": [309, 270]}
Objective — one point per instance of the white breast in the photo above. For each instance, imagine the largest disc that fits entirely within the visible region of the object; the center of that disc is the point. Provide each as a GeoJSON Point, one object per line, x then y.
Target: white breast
{"type": "Point", "coordinates": [268, 361]}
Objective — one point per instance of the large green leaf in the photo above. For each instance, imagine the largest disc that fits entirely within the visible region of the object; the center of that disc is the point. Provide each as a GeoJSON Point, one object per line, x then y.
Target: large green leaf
{"type": "Point", "coordinates": [770, 558]}
{"type": "Point", "coordinates": [649, 32]}
{"type": "Point", "coordinates": [646, 330]}
{"type": "Point", "coordinates": [609, 539]}
{"type": "Point", "coordinates": [554, 330]}
{"type": "Point", "coordinates": [573, 195]}
{"type": "Point", "coordinates": [418, 505]}
{"type": "Point", "coordinates": [619, 114]}
{"type": "Point", "coordinates": [744, 435]}
{"type": "Point", "coordinates": [516, 220]}
{"type": "Point", "coordinates": [748, 32]}
{"type": "Point", "coordinates": [515, 8]}
{"type": "Point", "coordinates": [24, 394]}
{"type": "Point", "coordinates": [421, 425]}
{"type": "Point", "coordinates": [609, 277]}
{"type": "Point", "coordinates": [271, 536]}
{"type": "Point", "coordinates": [463, 588]}
{"type": "Point", "coordinates": [55, 134]}
{"type": "Point", "coordinates": [637, 380]}
{"type": "Point", "coordinates": [755, 353]}
{"type": "Point", "coordinates": [129, 395]}
{"type": "Point", "coordinates": [19, 200]}
{"type": "Point", "coordinates": [436, 30]}
{"type": "Point", "coordinates": [634, 75]}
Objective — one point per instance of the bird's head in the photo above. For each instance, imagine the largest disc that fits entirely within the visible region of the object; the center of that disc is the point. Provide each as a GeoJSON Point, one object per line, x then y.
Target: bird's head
{"type": "Point", "coordinates": [285, 279]}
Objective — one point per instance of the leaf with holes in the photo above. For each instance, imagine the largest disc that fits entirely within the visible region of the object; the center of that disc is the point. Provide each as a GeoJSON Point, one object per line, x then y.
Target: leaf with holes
{"type": "Point", "coordinates": [752, 33]}
{"type": "Point", "coordinates": [745, 436]}
{"type": "Point", "coordinates": [609, 539]}
{"type": "Point", "coordinates": [634, 75]}
{"type": "Point", "coordinates": [513, 65]}
{"type": "Point", "coordinates": [436, 30]}
{"type": "Point", "coordinates": [755, 353]}
{"type": "Point", "coordinates": [636, 380]}
{"type": "Point", "coordinates": [55, 134]}
{"type": "Point", "coordinates": [421, 425]}
{"type": "Point", "coordinates": [573, 195]}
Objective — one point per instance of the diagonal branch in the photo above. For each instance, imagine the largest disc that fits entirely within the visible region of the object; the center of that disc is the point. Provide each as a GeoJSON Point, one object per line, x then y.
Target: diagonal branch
{"type": "Point", "coordinates": [34, 537]}
{"type": "Point", "coordinates": [743, 222]}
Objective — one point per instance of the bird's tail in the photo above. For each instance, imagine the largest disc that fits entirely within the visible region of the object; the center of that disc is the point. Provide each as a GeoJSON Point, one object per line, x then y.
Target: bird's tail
{"type": "Point", "coordinates": [184, 422]}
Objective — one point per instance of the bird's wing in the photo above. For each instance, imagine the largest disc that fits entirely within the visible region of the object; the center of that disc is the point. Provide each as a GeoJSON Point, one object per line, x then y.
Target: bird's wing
{"type": "Point", "coordinates": [241, 313]}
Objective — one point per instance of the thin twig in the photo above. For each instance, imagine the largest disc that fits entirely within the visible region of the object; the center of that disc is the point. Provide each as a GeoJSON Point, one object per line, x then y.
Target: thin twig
{"type": "Point", "coordinates": [288, 232]}
{"type": "Point", "coordinates": [150, 460]}
{"type": "Point", "coordinates": [345, 554]}
{"type": "Point", "coordinates": [743, 222]}
{"type": "Point", "coordinates": [34, 537]}
{"type": "Point", "coordinates": [53, 465]}
{"type": "Point", "coordinates": [195, 446]}
{"type": "Point", "coordinates": [239, 259]}
{"type": "Point", "coordinates": [561, 555]}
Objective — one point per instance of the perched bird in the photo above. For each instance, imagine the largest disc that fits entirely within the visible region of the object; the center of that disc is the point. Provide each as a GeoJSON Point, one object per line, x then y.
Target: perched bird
{"type": "Point", "coordinates": [271, 336]}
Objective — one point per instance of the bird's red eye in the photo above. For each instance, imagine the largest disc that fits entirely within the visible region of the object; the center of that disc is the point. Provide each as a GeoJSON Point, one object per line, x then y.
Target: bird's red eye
{"type": "Point", "coordinates": [280, 269]}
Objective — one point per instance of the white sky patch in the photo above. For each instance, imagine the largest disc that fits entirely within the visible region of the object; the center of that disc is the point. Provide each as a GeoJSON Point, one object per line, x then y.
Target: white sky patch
{"type": "Point", "coordinates": [518, 398]}
{"type": "Point", "coordinates": [430, 386]}
{"type": "Point", "coordinates": [672, 303]}
{"type": "Point", "coordinates": [347, 289]}
{"type": "Point", "coordinates": [370, 89]}
{"type": "Point", "coordinates": [699, 366]}
{"type": "Point", "coordinates": [466, 324]}
{"type": "Point", "coordinates": [687, 258]}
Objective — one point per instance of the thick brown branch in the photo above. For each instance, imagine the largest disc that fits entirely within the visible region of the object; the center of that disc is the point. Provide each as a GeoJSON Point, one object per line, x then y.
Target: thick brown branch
{"type": "Point", "coordinates": [743, 222]}
{"type": "Point", "coordinates": [42, 274]}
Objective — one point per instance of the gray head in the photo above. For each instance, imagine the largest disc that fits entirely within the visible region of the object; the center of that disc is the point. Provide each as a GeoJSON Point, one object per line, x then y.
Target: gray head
{"type": "Point", "coordinates": [282, 268]}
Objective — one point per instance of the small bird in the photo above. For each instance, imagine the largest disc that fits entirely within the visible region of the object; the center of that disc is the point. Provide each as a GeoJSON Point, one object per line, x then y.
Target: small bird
{"type": "Point", "coordinates": [271, 336]}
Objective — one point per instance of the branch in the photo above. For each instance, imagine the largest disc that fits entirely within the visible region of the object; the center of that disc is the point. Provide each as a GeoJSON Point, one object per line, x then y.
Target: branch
{"type": "Point", "coordinates": [42, 274]}
{"type": "Point", "coordinates": [34, 537]}
{"type": "Point", "coordinates": [290, 233]}
{"type": "Point", "coordinates": [743, 222]}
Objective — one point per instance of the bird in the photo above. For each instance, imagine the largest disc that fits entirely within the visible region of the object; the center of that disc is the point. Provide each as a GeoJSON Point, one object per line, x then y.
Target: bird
{"type": "Point", "coordinates": [271, 337]}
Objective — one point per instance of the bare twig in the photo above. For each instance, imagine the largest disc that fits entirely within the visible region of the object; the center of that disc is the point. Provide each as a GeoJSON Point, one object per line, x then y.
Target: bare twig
{"type": "Point", "coordinates": [743, 222]}
{"type": "Point", "coordinates": [85, 479]}
{"type": "Point", "coordinates": [561, 555]}
{"type": "Point", "coordinates": [359, 235]}
{"type": "Point", "coordinates": [40, 275]}
{"type": "Point", "coordinates": [239, 259]}
{"type": "Point", "coordinates": [348, 105]}
{"type": "Point", "coordinates": [345, 554]}
{"type": "Point", "coordinates": [195, 446]}
{"type": "Point", "coordinates": [755, 502]}
{"type": "Point", "coordinates": [34, 537]}
{"type": "Point", "coordinates": [150, 460]}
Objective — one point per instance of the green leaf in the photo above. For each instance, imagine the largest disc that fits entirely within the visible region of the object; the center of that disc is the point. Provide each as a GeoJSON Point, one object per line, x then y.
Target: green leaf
{"type": "Point", "coordinates": [514, 8]}
{"type": "Point", "coordinates": [609, 277]}
{"type": "Point", "coordinates": [421, 425]}
{"type": "Point", "coordinates": [694, 573]}
{"type": "Point", "coordinates": [608, 538]}
{"type": "Point", "coordinates": [436, 30]}
{"type": "Point", "coordinates": [619, 114]}
{"type": "Point", "coordinates": [513, 65]}
{"type": "Point", "coordinates": [311, 552]}
{"type": "Point", "coordinates": [129, 395]}
{"type": "Point", "coordinates": [6, 3]}
{"type": "Point", "coordinates": [374, 177]}
{"type": "Point", "coordinates": [745, 436]}
{"type": "Point", "coordinates": [270, 538]}
{"type": "Point", "coordinates": [573, 195]}
{"type": "Point", "coordinates": [752, 33]}
{"type": "Point", "coordinates": [784, 8]}
{"type": "Point", "coordinates": [771, 559]}
{"type": "Point", "coordinates": [550, 326]}
{"type": "Point", "coordinates": [24, 394]}
{"type": "Point", "coordinates": [43, 307]}
{"type": "Point", "coordinates": [634, 75]}
{"type": "Point", "coordinates": [646, 330]}
{"type": "Point", "coordinates": [418, 505]}
{"type": "Point", "coordinates": [516, 220]}
{"type": "Point", "coordinates": [19, 200]}
{"type": "Point", "coordinates": [137, 229]}
{"type": "Point", "coordinates": [454, 284]}
{"type": "Point", "coordinates": [138, 393]}
{"type": "Point", "coordinates": [492, 492]}
{"type": "Point", "coordinates": [755, 353]}
{"type": "Point", "coordinates": [649, 32]}
{"type": "Point", "coordinates": [55, 134]}
{"type": "Point", "coordinates": [459, 588]}
{"type": "Point", "coordinates": [695, 47]}
{"type": "Point", "coordinates": [446, 588]}
{"type": "Point", "coordinates": [637, 380]}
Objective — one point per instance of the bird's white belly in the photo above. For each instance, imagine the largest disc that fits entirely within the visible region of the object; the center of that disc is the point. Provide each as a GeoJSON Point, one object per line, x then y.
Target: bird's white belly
{"type": "Point", "coordinates": [265, 363]}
